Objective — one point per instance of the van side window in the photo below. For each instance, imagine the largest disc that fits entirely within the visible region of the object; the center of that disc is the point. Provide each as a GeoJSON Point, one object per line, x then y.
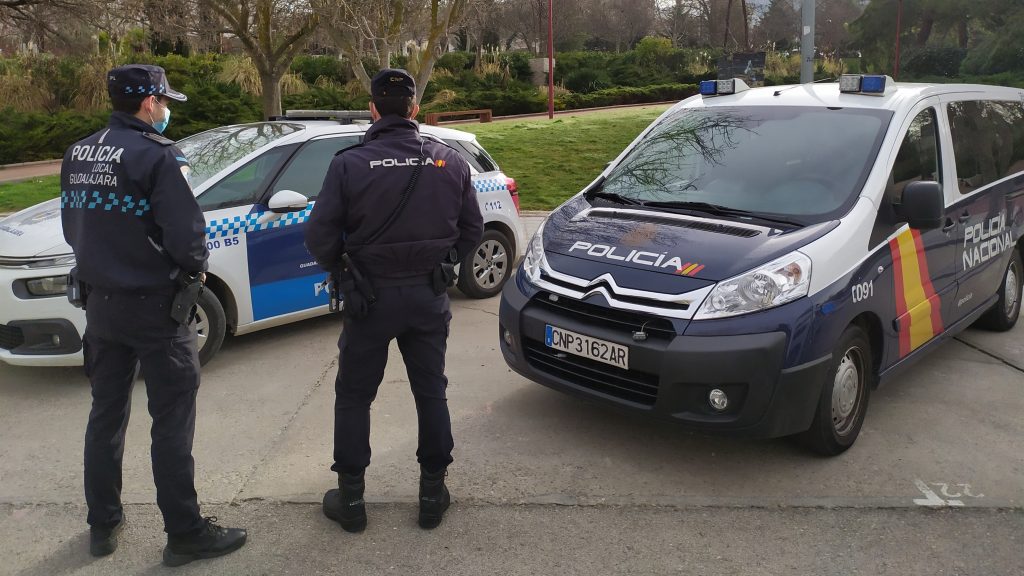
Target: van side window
{"type": "Point", "coordinates": [916, 161]}
{"type": "Point", "coordinates": [988, 141]}
{"type": "Point", "coordinates": [245, 185]}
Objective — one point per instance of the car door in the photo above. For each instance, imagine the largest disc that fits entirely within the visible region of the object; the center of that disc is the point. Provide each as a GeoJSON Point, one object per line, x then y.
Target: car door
{"type": "Point", "coordinates": [228, 207]}
{"type": "Point", "coordinates": [923, 262]}
{"type": "Point", "coordinates": [283, 277]}
{"type": "Point", "coordinates": [988, 169]}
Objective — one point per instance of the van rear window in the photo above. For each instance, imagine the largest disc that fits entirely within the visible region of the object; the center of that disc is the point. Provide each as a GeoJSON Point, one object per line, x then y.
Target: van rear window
{"type": "Point", "coordinates": [806, 163]}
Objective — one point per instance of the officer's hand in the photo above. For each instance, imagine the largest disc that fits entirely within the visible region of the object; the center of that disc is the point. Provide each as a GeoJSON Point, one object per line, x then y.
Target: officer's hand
{"type": "Point", "coordinates": [202, 277]}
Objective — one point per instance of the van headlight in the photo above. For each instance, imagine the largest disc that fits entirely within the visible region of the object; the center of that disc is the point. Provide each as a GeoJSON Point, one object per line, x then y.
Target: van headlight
{"type": "Point", "coordinates": [776, 283]}
{"type": "Point", "coordinates": [534, 259]}
{"type": "Point", "coordinates": [49, 286]}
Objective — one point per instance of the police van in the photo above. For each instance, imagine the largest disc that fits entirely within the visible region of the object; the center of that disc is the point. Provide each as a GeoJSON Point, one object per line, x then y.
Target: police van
{"type": "Point", "coordinates": [257, 184]}
{"type": "Point", "coordinates": [758, 260]}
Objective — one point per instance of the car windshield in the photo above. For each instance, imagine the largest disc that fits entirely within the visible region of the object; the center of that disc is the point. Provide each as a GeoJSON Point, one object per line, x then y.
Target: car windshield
{"type": "Point", "coordinates": [806, 164]}
{"type": "Point", "coordinates": [214, 150]}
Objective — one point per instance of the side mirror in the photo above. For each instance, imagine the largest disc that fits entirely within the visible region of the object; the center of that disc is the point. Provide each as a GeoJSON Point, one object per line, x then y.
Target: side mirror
{"type": "Point", "coordinates": [287, 201]}
{"type": "Point", "coordinates": [924, 205]}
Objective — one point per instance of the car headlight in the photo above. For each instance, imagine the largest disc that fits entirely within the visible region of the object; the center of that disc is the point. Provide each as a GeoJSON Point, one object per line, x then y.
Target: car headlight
{"type": "Point", "coordinates": [534, 258]}
{"type": "Point", "coordinates": [776, 283]}
{"type": "Point", "coordinates": [66, 260]}
{"type": "Point", "coordinates": [49, 286]}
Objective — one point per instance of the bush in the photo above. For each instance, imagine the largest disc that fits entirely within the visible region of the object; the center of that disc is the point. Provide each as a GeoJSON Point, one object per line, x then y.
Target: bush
{"type": "Point", "coordinates": [1001, 52]}
{"type": "Point", "coordinates": [933, 61]}
{"type": "Point", "coordinates": [40, 136]}
{"type": "Point", "coordinates": [312, 68]}
{"type": "Point", "coordinates": [456, 62]}
{"type": "Point", "coordinates": [628, 95]}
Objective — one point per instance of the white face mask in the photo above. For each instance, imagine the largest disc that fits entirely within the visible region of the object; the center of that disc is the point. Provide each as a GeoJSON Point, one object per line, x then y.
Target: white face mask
{"type": "Point", "coordinates": [161, 125]}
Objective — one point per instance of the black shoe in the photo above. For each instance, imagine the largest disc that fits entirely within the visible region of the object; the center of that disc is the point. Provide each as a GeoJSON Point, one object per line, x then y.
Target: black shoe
{"type": "Point", "coordinates": [103, 541]}
{"type": "Point", "coordinates": [210, 541]}
{"type": "Point", "coordinates": [434, 498]}
{"type": "Point", "coordinates": [345, 504]}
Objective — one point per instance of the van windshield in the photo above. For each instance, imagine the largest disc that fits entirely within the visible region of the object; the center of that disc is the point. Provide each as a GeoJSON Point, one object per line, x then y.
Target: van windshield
{"type": "Point", "coordinates": [806, 164]}
{"type": "Point", "coordinates": [214, 150]}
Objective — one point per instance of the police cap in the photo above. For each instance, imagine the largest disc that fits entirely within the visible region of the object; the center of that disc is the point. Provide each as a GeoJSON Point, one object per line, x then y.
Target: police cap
{"type": "Point", "coordinates": [135, 80]}
{"type": "Point", "coordinates": [391, 83]}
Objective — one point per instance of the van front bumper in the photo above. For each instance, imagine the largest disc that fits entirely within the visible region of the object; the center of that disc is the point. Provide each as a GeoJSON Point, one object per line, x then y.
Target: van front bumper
{"type": "Point", "coordinates": [670, 376]}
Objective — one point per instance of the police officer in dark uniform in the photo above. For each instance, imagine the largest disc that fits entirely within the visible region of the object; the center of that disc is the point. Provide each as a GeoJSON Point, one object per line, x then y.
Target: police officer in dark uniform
{"type": "Point", "coordinates": [396, 206]}
{"type": "Point", "coordinates": [139, 238]}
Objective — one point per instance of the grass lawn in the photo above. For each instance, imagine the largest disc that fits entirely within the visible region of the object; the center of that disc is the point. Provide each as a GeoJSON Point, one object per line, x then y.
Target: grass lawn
{"type": "Point", "coordinates": [553, 159]}
{"type": "Point", "coordinates": [14, 197]}
{"type": "Point", "coordinates": [550, 160]}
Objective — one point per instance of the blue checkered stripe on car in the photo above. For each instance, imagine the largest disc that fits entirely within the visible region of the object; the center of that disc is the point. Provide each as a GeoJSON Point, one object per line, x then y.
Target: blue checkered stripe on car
{"type": "Point", "coordinates": [489, 185]}
{"type": "Point", "coordinates": [250, 223]}
{"type": "Point", "coordinates": [98, 201]}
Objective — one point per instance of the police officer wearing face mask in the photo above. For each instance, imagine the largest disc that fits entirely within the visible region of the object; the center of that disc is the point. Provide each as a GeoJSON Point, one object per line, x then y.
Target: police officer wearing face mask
{"type": "Point", "coordinates": [139, 240]}
{"type": "Point", "coordinates": [391, 210]}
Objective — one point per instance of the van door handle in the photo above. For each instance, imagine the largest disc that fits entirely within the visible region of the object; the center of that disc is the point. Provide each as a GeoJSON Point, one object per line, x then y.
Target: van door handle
{"type": "Point", "coordinates": [965, 216]}
{"type": "Point", "coordinates": [949, 225]}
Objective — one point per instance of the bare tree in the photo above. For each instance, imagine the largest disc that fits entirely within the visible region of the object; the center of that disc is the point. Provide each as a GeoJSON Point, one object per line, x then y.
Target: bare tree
{"type": "Point", "coordinates": [272, 32]}
{"type": "Point", "coordinates": [375, 28]}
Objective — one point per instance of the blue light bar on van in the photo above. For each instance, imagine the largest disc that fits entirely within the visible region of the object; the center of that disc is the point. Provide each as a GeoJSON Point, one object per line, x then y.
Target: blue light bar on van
{"type": "Point", "coordinates": [875, 85]}
{"type": "Point", "coordinates": [722, 87]}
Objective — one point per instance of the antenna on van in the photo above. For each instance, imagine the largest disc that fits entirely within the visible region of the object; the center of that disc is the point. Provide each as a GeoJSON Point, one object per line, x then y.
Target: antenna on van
{"type": "Point", "coordinates": [780, 91]}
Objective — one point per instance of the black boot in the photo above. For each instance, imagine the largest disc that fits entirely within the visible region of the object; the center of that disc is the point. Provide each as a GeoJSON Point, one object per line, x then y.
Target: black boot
{"type": "Point", "coordinates": [210, 541]}
{"type": "Point", "coordinates": [434, 498]}
{"type": "Point", "coordinates": [345, 504]}
{"type": "Point", "coordinates": [103, 540]}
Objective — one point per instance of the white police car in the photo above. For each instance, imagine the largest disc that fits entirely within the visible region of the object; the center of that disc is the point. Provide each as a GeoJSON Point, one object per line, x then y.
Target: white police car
{"type": "Point", "coordinates": [758, 260]}
{"type": "Point", "coordinates": [257, 184]}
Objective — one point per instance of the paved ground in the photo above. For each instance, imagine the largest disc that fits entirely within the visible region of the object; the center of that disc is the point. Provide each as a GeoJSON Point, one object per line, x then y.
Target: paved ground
{"type": "Point", "coordinates": [21, 172]}
{"type": "Point", "coordinates": [544, 484]}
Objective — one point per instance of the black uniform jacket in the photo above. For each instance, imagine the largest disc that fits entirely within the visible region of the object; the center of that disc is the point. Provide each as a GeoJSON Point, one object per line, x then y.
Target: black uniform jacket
{"type": "Point", "coordinates": [362, 189]}
{"type": "Point", "coordinates": [127, 209]}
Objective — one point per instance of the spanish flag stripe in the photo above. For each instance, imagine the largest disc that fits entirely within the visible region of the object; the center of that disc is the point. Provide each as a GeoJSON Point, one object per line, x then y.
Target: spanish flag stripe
{"type": "Point", "coordinates": [689, 268]}
{"type": "Point", "coordinates": [696, 270]}
{"type": "Point", "coordinates": [929, 290]}
{"type": "Point", "coordinates": [900, 297]}
{"type": "Point", "coordinates": [917, 306]}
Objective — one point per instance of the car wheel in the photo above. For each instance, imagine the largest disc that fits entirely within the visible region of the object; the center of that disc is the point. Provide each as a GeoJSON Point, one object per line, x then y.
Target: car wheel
{"type": "Point", "coordinates": [1004, 313]}
{"type": "Point", "coordinates": [483, 272]}
{"type": "Point", "coordinates": [209, 325]}
{"type": "Point", "coordinates": [844, 396]}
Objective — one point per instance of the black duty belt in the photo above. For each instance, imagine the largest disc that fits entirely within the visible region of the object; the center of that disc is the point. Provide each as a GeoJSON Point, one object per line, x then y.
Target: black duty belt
{"type": "Point", "coordinates": [422, 280]}
{"type": "Point", "coordinates": [149, 291]}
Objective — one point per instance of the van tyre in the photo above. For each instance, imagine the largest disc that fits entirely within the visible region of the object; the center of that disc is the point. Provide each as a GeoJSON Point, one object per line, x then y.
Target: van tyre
{"type": "Point", "coordinates": [210, 325]}
{"type": "Point", "coordinates": [844, 395]}
{"type": "Point", "coordinates": [483, 272]}
{"type": "Point", "coordinates": [1004, 313]}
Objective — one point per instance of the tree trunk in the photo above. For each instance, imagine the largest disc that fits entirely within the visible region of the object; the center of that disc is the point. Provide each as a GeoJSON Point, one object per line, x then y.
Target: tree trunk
{"type": "Point", "coordinates": [271, 97]}
{"type": "Point", "coordinates": [927, 23]}
{"type": "Point", "coordinates": [728, 15]}
{"type": "Point", "coordinates": [962, 36]}
{"type": "Point", "coordinates": [746, 25]}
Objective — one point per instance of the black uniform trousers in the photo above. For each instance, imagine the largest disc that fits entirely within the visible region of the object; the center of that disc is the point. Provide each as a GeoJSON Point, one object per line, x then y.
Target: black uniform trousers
{"type": "Point", "coordinates": [124, 329]}
{"type": "Point", "coordinates": [419, 320]}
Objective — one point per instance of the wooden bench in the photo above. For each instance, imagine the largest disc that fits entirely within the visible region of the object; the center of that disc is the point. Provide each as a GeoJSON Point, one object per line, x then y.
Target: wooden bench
{"type": "Point", "coordinates": [433, 118]}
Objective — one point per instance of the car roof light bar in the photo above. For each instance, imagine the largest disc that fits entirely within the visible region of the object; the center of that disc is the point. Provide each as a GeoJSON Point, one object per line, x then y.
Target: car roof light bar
{"type": "Point", "coordinates": [723, 87]}
{"type": "Point", "coordinates": [867, 84]}
{"type": "Point", "coordinates": [341, 116]}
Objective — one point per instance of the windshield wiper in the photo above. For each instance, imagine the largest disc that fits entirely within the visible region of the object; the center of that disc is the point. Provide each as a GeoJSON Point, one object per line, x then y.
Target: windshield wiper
{"type": "Point", "coordinates": [596, 192]}
{"type": "Point", "coordinates": [718, 210]}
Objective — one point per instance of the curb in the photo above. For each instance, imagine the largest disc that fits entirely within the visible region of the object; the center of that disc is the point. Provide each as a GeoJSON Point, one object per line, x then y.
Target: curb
{"type": "Point", "coordinates": [27, 164]}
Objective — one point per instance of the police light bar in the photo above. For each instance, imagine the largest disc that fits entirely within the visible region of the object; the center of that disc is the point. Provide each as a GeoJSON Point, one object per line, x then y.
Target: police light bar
{"type": "Point", "coordinates": [722, 87]}
{"type": "Point", "coordinates": [873, 85]}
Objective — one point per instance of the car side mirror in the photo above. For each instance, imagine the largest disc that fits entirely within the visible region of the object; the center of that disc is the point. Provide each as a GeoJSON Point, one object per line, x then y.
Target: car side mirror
{"type": "Point", "coordinates": [287, 201]}
{"type": "Point", "coordinates": [923, 205]}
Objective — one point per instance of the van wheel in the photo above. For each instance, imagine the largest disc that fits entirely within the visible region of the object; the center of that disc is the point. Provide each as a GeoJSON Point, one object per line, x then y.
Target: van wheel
{"type": "Point", "coordinates": [1004, 313]}
{"type": "Point", "coordinates": [483, 272]}
{"type": "Point", "coordinates": [844, 396]}
{"type": "Point", "coordinates": [209, 325]}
